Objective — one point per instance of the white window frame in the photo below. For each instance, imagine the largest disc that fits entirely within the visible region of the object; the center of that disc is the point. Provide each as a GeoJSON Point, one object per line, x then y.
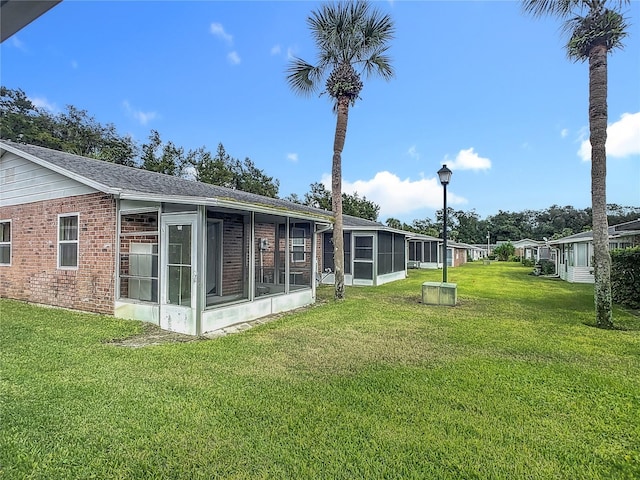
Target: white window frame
{"type": "Point", "coordinates": [7, 244]}
{"type": "Point", "coordinates": [68, 242]}
{"type": "Point", "coordinates": [297, 245]}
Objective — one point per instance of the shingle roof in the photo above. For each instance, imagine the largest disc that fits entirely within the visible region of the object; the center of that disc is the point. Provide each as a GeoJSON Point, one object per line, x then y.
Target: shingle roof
{"type": "Point", "coordinates": [114, 178]}
{"type": "Point", "coordinates": [614, 231]}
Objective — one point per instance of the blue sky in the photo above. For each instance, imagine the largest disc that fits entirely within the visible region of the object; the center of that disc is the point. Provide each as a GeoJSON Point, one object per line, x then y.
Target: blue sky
{"type": "Point", "coordinates": [478, 86]}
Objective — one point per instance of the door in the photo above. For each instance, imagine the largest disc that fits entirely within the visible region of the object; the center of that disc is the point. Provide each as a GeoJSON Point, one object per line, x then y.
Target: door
{"type": "Point", "coordinates": [179, 274]}
{"type": "Point", "coordinates": [363, 258]}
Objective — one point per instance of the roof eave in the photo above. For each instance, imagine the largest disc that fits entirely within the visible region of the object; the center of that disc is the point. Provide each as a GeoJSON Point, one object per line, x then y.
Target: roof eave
{"type": "Point", "coordinates": [62, 171]}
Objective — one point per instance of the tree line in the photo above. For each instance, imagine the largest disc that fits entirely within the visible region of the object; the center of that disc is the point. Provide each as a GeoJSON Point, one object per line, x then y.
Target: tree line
{"type": "Point", "coordinates": [76, 131]}
{"type": "Point", "coordinates": [551, 223]}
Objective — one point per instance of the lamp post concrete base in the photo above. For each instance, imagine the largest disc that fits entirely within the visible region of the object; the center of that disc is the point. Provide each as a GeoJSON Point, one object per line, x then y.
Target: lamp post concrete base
{"type": "Point", "coordinates": [439, 293]}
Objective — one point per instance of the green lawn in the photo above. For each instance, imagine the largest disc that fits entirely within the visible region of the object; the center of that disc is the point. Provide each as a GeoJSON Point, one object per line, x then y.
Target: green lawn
{"type": "Point", "coordinates": [513, 383]}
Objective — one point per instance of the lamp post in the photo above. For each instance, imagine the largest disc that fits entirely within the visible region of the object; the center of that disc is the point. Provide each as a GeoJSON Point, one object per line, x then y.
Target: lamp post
{"type": "Point", "coordinates": [445, 177]}
{"type": "Point", "coordinates": [488, 238]}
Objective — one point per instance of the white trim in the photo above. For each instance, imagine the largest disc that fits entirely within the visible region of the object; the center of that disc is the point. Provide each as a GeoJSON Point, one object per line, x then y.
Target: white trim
{"type": "Point", "coordinates": [9, 243]}
{"type": "Point", "coordinates": [68, 242]}
{"type": "Point", "coordinates": [62, 171]}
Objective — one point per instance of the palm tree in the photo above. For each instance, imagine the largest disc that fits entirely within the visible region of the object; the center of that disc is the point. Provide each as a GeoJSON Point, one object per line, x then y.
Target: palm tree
{"type": "Point", "coordinates": [349, 36]}
{"type": "Point", "coordinates": [594, 29]}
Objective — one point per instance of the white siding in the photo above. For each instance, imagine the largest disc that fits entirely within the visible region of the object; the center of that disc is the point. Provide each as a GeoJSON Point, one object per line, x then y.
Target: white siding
{"type": "Point", "coordinates": [22, 181]}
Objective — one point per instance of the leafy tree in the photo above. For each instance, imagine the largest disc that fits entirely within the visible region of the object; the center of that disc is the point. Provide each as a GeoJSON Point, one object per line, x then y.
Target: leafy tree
{"type": "Point", "coordinates": [426, 227]}
{"type": "Point", "coordinates": [347, 35]}
{"type": "Point", "coordinates": [163, 157]}
{"type": "Point", "coordinates": [226, 171]}
{"type": "Point", "coordinates": [354, 205]}
{"type": "Point", "coordinates": [294, 198]}
{"type": "Point", "coordinates": [504, 251]}
{"type": "Point", "coordinates": [357, 206]}
{"type": "Point", "coordinates": [394, 223]}
{"type": "Point", "coordinates": [619, 214]}
{"type": "Point", "coordinates": [215, 170]}
{"type": "Point", "coordinates": [249, 178]}
{"type": "Point", "coordinates": [594, 29]}
{"type": "Point", "coordinates": [73, 130]}
{"type": "Point", "coordinates": [318, 196]}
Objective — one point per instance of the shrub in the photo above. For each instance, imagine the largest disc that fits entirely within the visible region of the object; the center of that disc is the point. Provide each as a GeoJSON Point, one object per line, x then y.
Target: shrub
{"type": "Point", "coordinates": [528, 262]}
{"type": "Point", "coordinates": [504, 251]}
{"type": "Point", "coordinates": [547, 267]}
{"type": "Point", "coordinates": [625, 277]}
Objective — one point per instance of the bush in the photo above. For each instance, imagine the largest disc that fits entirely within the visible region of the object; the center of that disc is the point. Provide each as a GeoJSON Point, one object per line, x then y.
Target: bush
{"type": "Point", "coordinates": [625, 277]}
{"type": "Point", "coordinates": [547, 267]}
{"type": "Point", "coordinates": [504, 251]}
{"type": "Point", "coordinates": [528, 262]}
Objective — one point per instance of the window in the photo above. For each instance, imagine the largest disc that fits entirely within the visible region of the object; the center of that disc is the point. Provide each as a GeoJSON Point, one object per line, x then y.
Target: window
{"type": "Point", "coordinates": [581, 255]}
{"type": "Point", "coordinates": [364, 248]}
{"type": "Point", "coordinates": [297, 244]}
{"type": "Point", "coordinates": [5, 242]}
{"type": "Point", "coordinates": [68, 241]}
{"type": "Point", "coordinates": [139, 256]}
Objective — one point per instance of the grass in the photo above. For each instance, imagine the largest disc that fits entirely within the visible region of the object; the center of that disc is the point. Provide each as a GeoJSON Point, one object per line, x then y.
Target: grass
{"type": "Point", "coordinates": [513, 383]}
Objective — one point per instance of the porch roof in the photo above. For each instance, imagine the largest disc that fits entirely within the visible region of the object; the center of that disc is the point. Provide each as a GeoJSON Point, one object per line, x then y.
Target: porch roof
{"type": "Point", "coordinates": [627, 229]}
{"type": "Point", "coordinates": [136, 184]}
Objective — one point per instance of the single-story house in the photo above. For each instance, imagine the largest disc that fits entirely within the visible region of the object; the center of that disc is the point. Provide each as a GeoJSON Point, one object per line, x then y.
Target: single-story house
{"type": "Point", "coordinates": [426, 252]}
{"type": "Point", "coordinates": [374, 254]}
{"type": "Point", "coordinates": [190, 257]}
{"type": "Point", "coordinates": [473, 252]}
{"type": "Point", "coordinates": [527, 249]}
{"type": "Point", "coordinates": [574, 260]}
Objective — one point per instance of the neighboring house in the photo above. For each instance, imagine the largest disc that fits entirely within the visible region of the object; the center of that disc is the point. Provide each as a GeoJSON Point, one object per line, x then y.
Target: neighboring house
{"type": "Point", "coordinates": [473, 251]}
{"type": "Point", "coordinates": [574, 260]}
{"type": "Point", "coordinates": [187, 256]}
{"type": "Point", "coordinates": [426, 252]}
{"type": "Point", "coordinates": [527, 249]}
{"type": "Point", "coordinates": [374, 254]}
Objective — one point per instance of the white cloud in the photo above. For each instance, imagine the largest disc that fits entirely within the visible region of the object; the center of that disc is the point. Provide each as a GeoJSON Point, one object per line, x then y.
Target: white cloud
{"type": "Point", "coordinates": [218, 30]}
{"type": "Point", "coordinates": [413, 152]}
{"type": "Point", "coordinates": [233, 58]}
{"type": "Point", "coordinates": [142, 117]}
{"type": "Point", "coordinates": [293, 157]}
{"type": "Point", "coordinates": [275, 50]}
{"type": "Point", "coordinates": [74, 64]}
{"type": "Point", "coordinates": [397, 197]}
{"type": "Point", "coordinates": [43, 103]}
{"type": "Point", "coordinates": [623, 138]}
{"type": "Point", "coordinates": [17, 43]}
{"type": "Point", "coordinates": [468, 160]}
{"type": "Point", "coordinates": [564, 132]}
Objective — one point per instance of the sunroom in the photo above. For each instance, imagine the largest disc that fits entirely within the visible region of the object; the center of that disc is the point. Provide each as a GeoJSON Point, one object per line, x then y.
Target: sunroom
{"type": "Point", "coordinates": [197, 268]}
{"type": "Point", "coordinates": [373, 253]}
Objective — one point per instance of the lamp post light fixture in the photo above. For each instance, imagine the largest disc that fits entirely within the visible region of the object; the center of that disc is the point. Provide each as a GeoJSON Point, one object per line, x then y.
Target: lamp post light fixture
{"type": "Point", "coordinates": [445, 177]}
{"type": "Point", "coordinates": [444, 293]}
{"type": "Point", "coordinates": [488, 247]}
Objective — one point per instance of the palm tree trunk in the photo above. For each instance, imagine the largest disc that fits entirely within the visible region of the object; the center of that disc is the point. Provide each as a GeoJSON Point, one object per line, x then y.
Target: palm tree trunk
{"type": "Point", "coordinates": [336, 195]}
{"type": "Point", "coordinates": [598, 138]}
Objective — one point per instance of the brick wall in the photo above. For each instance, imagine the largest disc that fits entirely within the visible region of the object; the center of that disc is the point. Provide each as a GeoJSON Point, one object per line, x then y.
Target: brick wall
{"type": "Point", "coordinates": [234, 255]}
{"type": "Point", "coordinates": [33, 275]}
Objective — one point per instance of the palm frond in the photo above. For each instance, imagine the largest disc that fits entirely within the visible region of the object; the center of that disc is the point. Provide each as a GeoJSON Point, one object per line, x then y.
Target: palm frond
{"type": "Point", "coordinates": [346, 33]}
{"type": "Point", "coordinates": [302, 77]}
{"type": "Point", "coordinates": [557, 8]}
{"type": "Point", "coordinates": [379, 64]}
{"type": "Point", "coordinates": [606, 28]}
